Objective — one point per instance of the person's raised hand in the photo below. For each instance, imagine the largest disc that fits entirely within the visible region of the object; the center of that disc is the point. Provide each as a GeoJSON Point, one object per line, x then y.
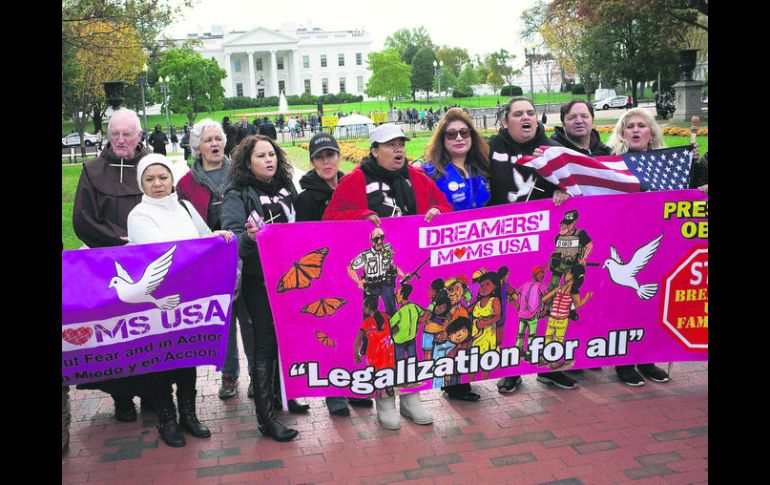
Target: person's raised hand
{"type": "Point", "coordinates": [432, 212]}
{"type": "Point", "coordinates": [559, 196]}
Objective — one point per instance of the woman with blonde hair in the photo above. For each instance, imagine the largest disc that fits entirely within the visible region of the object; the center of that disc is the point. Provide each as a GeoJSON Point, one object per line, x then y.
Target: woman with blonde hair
{"type": "Point", "coordinates": [636, 131]}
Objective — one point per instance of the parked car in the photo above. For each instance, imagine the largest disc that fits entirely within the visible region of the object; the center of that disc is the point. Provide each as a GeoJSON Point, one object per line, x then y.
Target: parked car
{"type": "Point", "coordinates": [611, 102]}
{"type": "Point", "coordinates": [73, 140]}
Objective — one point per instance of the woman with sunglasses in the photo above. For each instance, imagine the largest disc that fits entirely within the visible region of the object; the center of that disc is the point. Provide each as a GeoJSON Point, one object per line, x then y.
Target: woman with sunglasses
{"type": "Point", "coordinates": [456, 159]}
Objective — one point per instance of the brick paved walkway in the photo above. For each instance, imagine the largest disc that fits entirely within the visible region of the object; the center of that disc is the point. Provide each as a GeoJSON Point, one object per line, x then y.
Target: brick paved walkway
{"type": "Point", "coordinates": [604, 432]}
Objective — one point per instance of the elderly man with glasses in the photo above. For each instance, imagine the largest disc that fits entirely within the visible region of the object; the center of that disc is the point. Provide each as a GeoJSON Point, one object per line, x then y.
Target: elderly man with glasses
{"type": "Point", "coordinates": [106, 193]}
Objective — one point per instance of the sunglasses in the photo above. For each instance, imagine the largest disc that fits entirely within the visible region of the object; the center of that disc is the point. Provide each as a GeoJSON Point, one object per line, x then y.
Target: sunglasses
{"type": "Point", "coordinates": [378, 239]}
{"type": "Point", "coordinates": [452, 134]}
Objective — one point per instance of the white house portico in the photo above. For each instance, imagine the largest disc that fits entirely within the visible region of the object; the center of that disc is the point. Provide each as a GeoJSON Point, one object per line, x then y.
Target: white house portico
{"type": "Point", "coordinates": [264, 62]}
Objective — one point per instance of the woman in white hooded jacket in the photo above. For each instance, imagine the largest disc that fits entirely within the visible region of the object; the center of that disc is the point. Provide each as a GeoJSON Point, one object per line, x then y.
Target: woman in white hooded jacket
{"type": "Point", "coordinates": [160, 217]}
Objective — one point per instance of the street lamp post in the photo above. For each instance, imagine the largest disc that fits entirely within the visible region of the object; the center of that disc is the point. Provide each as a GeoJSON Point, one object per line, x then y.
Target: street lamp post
{"type": "Point", "coordinates": [529, 54]}
{"type": "Point", "coordinates": [164, 87]}
{"type": "Point", "coordinates": [437, 65]}
{"type": "Point", "coordinates": [142, 80]}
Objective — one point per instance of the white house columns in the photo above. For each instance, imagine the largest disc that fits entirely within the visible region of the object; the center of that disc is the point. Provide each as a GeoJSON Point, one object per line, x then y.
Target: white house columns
{"type": "Point", "coordinates": [228, 69]}
{"type": "Point", "coordinates": [295, 73]}
{"type": "Point", "coordinates": [252, 76]}
{"type": "Point", "coordinates": [274, 74]}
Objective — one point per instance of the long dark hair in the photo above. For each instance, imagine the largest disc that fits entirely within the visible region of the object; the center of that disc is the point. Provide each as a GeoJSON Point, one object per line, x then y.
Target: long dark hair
{"type": "Point", "coordinates": [436, 153]}
{"type": "Point", "coordinates": [240, 168]}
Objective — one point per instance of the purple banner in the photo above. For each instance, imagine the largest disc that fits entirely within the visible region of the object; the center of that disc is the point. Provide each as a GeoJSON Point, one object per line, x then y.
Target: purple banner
{"type": "Point", "coordinates": [145, 308]}
{"type": "Point", "coordinates": [626, 281]}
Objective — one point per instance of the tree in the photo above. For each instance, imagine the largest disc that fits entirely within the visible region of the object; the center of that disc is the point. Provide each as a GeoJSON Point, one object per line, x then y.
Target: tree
{"type": "Point", "coordinates": [99, 29]}
{"type": "Point", "coordinates": [422, 71]}
{"type": "Point", "coordinates": [496, 69]}
{"type": "Point", "coordinates": [84, 69]}
{"type": "Point", "coordinates": [466, 80]}
{"type": "Point", "coordinates": [557, 31]}
{"type": "Point", "coordinates": [448, 80]}
{"type": "Point", "coordinates": [195, 84]}
{"type": "Point", "coordinates": [454, 59]}
{"type": "Point", "coordinates": [402, 39]}
{"type": "Point", "coordinates": [390, 76]}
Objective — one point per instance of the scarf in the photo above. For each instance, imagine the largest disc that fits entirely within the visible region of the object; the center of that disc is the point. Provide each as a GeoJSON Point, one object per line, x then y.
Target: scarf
{"type": "Point", "coordinates": [400, 189]}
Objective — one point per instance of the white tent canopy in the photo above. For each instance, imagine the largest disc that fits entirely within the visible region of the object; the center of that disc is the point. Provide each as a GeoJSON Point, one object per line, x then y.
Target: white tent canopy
{"type": "Point", "coordinates": [354, 125]}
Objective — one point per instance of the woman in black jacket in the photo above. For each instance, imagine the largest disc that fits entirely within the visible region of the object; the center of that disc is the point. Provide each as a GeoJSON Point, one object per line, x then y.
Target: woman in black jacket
{"type": "Point", "coordinates": [261, 181]}
{"type": "Point", "coordinates": [319, 185]}
{"type": "Point", "coordinates": [521, 135]}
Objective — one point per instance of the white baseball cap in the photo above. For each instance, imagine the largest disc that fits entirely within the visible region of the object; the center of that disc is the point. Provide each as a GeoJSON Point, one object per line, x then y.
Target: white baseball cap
{"type": "Point", "coordinates": [386, 132]}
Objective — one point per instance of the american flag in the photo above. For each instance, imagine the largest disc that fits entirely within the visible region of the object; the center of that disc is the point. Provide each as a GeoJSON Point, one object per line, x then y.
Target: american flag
{"type": "Point", "coordinates": [578, 174]}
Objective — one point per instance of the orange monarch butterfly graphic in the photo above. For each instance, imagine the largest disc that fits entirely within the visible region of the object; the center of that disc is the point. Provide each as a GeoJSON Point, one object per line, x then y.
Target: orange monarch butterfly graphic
{"type": "Point", "coordinates": [325, 340]}
{"type": "Point", "coordinates": [323, 307]}
{"type": "Point", "coordinates": [303, 272]}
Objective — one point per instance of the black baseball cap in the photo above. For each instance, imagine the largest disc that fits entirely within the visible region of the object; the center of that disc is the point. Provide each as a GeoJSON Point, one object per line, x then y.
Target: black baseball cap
{"type": "Point", "coordinates": [322, 141]}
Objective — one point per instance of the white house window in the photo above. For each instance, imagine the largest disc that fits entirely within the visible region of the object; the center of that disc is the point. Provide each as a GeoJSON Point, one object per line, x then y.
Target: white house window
{"type": "Point", "coordinates": [359, 58]}
{"type": "Point", "coordinates": [323, 60]}
{"type": "Point", "coordinates": [279, 61]}
{"type": "Point", "coordinates": [342, 85]}
{"type": "Point", "coordinates": [341, 60]}
{"type": "Point", "coordinates": [360, 83]}
{"type": "Point", "coordinates": [239, 89]}
{"type": "Point", "coordinates": [259, 63]}
{"type": "Point", "coordinates": [282, 87]}
{"type": "Point", "coordinates": [237, 65]}
{"type": "Point", "coordinates": [306, 62]}
{"type": "Point", "coordinates": [307, 86]}
{"type": "Point", "coordinates": [325, 86]}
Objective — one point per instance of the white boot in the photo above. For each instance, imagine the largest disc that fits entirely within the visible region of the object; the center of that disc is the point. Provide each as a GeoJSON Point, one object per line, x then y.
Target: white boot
{"type": "Point", "coordinates": [411, 407]}
{"type": "Point", "coordinates": [386, 412]}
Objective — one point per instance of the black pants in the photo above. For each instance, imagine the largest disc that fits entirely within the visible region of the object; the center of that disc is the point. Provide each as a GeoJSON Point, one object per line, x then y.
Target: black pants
{"type": "Point", "coordinates": [159, 383]}
{"type": "Point", "coordinates": [255, 296]}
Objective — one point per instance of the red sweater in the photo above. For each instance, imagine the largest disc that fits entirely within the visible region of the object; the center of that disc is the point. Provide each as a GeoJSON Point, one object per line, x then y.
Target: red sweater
{"type": "Point", "coordinates": [349, 199]}
{"type": "Point", "coordinates": [199, 195]}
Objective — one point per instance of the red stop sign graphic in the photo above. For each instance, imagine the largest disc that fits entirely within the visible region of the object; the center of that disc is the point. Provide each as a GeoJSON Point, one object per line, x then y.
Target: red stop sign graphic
{"type": "Point", "coordinates": [685, 302]}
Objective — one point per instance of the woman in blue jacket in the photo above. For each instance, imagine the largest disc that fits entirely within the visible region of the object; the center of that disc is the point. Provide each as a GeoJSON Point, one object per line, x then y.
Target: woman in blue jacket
{"type": "Point", "coordinates": [457, 160]}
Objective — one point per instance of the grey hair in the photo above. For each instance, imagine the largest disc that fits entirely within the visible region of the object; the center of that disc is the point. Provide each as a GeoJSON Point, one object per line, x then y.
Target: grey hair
{"type": "Point", "coordinates": [197, 132]}
{"type": "Point", "coordinates": [131, 114]}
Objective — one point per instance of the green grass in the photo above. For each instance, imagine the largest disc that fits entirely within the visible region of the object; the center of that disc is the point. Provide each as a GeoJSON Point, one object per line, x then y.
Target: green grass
{"type": "Point", "coordinates": [299, 158]}
{"type": "Point", "coordinates": [363, 107]}
{"type": "Point", "coordinates": [69, 183]}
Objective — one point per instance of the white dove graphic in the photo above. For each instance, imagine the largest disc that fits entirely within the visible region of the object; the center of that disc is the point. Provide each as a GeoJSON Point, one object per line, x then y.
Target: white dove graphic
{"type": "Point", "coordinates": [141, 291]}
{"type": "Point", "coordinates": [625, 274]}
{"type": "Point", "coordinates": [524, 187]}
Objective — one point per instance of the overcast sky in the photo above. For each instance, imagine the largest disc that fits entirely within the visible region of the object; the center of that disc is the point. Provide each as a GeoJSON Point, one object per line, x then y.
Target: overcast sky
{"type": "Point", "coordinates": [480, 26]}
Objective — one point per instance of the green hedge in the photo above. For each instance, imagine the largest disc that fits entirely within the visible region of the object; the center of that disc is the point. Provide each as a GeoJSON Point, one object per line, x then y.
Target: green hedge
{"type": "Point", "coordinates": [243, 102]}
{"type": "Point", "coordinates": [511, 90]}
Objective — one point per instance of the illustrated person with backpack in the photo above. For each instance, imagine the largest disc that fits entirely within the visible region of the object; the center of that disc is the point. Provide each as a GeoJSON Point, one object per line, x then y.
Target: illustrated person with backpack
{"type": "Point", "coordinates": [162, 216]}
{"type": "Point", "coordinates": [260, 180]}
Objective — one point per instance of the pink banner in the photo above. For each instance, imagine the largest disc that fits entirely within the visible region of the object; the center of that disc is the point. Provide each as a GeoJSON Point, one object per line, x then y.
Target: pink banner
{"type": "Point", "coordinates": [507, 290]}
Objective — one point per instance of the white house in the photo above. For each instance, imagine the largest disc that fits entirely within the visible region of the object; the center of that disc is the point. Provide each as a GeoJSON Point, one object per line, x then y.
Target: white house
{"type": "Point", "coordinates": [264, 62]}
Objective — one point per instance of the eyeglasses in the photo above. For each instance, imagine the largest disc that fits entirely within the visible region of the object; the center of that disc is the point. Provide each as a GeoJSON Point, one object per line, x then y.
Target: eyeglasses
{"type": "Point", "coordinates": [452, 134]}
{"type": "Point", "coordinates": [378, 239]}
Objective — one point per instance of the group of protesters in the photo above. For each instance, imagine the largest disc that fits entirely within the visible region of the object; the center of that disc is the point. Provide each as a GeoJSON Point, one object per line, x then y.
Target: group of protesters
{"type": "Point", "coordinates": [126, 195]}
